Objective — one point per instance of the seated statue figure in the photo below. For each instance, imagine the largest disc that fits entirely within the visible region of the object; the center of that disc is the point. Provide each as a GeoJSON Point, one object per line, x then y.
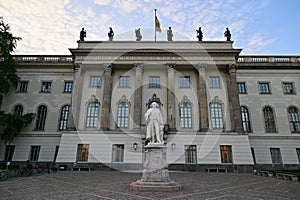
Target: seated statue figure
{"type": "Point", "coordinates": [154, 121]}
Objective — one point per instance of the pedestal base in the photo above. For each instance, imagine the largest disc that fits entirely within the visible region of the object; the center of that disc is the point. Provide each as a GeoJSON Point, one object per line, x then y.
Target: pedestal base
{"type": "Point", "coordinates": [155, 173]}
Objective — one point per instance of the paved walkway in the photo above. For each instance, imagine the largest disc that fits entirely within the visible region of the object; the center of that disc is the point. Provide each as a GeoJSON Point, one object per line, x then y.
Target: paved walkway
{"type": "Point", "coordinates": [115, 185]}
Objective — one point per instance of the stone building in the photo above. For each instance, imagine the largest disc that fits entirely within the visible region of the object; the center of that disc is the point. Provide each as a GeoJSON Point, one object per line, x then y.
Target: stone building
{"type": "Point", "coordinates": [221, 109]}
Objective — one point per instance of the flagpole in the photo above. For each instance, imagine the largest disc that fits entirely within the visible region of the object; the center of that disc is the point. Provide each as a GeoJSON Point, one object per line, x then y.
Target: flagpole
{"type": "Point", "coordinates": [155, 25]}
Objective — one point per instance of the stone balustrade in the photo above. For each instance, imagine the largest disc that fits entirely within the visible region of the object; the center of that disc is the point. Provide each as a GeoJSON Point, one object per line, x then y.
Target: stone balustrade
{"type": "Point", "coordinates": [268, 59]}
{"type": "Point", "coordinates": [39, 58]}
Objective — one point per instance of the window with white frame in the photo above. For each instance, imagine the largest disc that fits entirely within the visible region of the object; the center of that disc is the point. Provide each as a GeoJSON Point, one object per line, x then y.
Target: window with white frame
{"type": "Point", "coordinates": [18, 110]}
{"type": "Point", "coordinates": [294, 120]}
{"type": "Point", "coordinates": [64, 115]}
{"type": "Point", "coordinates": [288, 88]}
{"type": "Point", "coordinates": [245, 119]}
{"type": "Point", "coordinates": [68, 86]}
{"type": "Point", "coordinates": [264, 88]}
{"type": "Point", "coordinates": [241, 88]}
{"type": "Point", "coordinates": [22, 86]}
{"type": "Point", "coordinates": [92, 114]}
{"type": "Point", "coordinates": [190, 152]}
{"type": "Point", "coordinates": [154, 82]}
{"type": "Point", "coordinates": [123, 114]}
{"type": "Point", "coordinates": [118, 153]}
{"type": "Point", "coordinates": [46, 87]}
{"type": "Point", "coordinates": [124, 81]}
{"type": "Point", "coordinates": [214, 82]}
{"type": "Point", "coordinates": [216, 113]}
{"type": "Point", "coordinates": [269, 118]}
{"type": "Point", "coordinates": [41, 118]}
{"type": "Point", "coordinates": [276, 155]}
{"type": "Point", "coordinates": [185, 113]}
{"type": "Point", "coordinates": [95, 81]}
{"type": "Point", "coordinates": [184, 81]}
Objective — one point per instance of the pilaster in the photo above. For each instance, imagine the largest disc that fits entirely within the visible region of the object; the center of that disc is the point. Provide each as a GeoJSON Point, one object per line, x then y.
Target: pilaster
{"type": "Point", "coordinates": [171, 97]}
{"type": "Point", "coordinates": [137, 114]}
{"type": "Point", "coordinates": [106, 101]}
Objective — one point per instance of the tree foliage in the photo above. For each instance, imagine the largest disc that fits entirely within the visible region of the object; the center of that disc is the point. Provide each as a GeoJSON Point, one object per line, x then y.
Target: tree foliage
{"type": "Point", "coordinates": [10, 124]}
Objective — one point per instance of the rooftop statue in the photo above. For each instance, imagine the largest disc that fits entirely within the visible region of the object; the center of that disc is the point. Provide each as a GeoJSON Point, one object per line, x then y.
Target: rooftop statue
{"type": "Point", "coordinates": [227, 34]}
{"type": "Point", "coordinates": [170, 34]}
{"type": "Point", "coordinates": [111, 34]}
{"type": "Point", "coordinates": [154, 121]}
{"type": "Point", "coordinates": [199, 34]}
{"type": "Point", "coordinates": [82, 34]}
{"type": "Point", "coordinates": [138, 34]}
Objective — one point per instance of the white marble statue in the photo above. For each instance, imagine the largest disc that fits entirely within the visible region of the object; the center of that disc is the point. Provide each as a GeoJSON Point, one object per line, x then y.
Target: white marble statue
{"type": "Point", "coordinates": [154, 121]}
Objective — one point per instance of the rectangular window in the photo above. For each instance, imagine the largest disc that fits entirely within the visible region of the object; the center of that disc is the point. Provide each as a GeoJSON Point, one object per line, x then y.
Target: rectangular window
{"type": "Point", "coordinates": [95, 81]}
{"type": "Point", "coordinates": [68, 86]}
{"type": "Point", "coordinates": [34, 153]}
{"type": "Point", "coordinates": [241, 88]}
{"type": "Point", "coordinates": [253, 155]}
{"type": "Point", "coordinates": [298, 153]}
{"type": "Point", "coordinates": [124, 81]}
{"type": "Point", "coordinates": [288, 88]}
{"type": "Point", "coordinates": [264, 88]}
{"type": "Point", "coordinates": [154, 82]}
{"type": "Point", "coordinates": [22, 86]}
{"type": "Point", "coordinates": [83, 152]}
{"type": "Point", "coordinates": [118, 153]}
{"type": "Point", "coordinates": [184, 81]}
{"type": "Point", "coordinates": [190, 152]}
{"type": "Point", "coordinates": [276, 155]}
{"type": "Point", "coordinates": [9, 152]}
{"type": "Point", "coordinates": [46, 87]}
{"type": "Point", "coordinates": [214, 82]}
{"type": "Point", "coordinates": [226, 153]}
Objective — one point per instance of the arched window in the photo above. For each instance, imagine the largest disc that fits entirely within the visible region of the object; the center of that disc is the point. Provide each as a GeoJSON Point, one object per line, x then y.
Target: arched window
{"type": "Point", "coordinates": [64, 114]}
{"type": "Point", "coordinates": [269, 120]}
{"type": "Point", "coordinates": [18, 110]}
{"type": "Point", "coordinates": [216, 115]}
{"type": "Point", "coordinates": [41, 118]}
{"type": "Point", "coordinates": [294, 119]}
{"type": "Point", "coordinates": [185, 113]}
{"type": "Point", "coordinates": [245, 119]}
{"type": "Point", "coordinates": [92, 114]}
{"type": "Point", "coordinates": [123, 113]}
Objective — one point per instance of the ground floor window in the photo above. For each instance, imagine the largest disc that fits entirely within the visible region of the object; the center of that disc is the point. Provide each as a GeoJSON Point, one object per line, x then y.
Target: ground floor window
{"type": "Point", "coordinates": [118, 153]}
{"type": "Point", "coordinates": [55, 153]}
{"type": "Point", "coordinates": [226, 153]}
{"type": "Point", "coordinates": [275, 155]}
{"type": "Point", "coordinates": [9, 152]}
{"type": "Point", "coordinates": [190, 154]}
{"type": "Point", "coordinates": [298, 154]}
{"type": "Point", "coordinates": [253, 155]}
{"type": "Point", "coordinates": [34, 153]}
{"type": "Point", "coordinates": [83, 152]}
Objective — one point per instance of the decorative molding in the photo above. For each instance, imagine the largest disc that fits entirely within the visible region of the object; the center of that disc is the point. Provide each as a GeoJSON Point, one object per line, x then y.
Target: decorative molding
{"type": "Point", "coordinates": [154, 98]}
{"type": "Point", "coordinates": [122, 100]}
{"type": "Point", "coordinates": [185, 100]}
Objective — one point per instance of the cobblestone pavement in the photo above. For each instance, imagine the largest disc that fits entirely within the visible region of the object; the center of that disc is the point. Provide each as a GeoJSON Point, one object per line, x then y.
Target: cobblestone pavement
{"type": "Point", "coordinates": [115, 185]}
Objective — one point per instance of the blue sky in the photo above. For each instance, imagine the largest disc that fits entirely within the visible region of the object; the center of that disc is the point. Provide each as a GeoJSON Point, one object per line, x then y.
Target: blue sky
{"type": "Point", "coordinates": [268, 27]}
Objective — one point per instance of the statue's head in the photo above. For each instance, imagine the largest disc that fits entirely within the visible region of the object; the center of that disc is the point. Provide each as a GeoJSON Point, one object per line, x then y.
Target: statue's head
{"type": "Point", "coordinates": [154, 105]}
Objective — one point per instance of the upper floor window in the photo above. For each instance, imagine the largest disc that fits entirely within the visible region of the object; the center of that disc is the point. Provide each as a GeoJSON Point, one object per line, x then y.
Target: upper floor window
{"type": "Point", "coordinates": [46, 86]}
{"type": "Point", "coordinates": [123, 113]}
{"type": "Point", "coordinates": [269, 118]}
{"type": "Point", "coordinates": [242, 88]}
{"type": "Point", "coordinates": [185, 113]}
{"type": "Point", "coordinates": [68, 86]}
{"type": "Point", "coordinates": [124, 81]}
{"type": "Point", "coordinates": [64, 115]}
{"type": "Point", "coordinates": [18, 110]}
{"type": "Point", "coordinates": [245, 119]}
{"type": "Point", "coordinates": [92, 115]}
{"type": "Point", "coordinates": [41, 118]}
{"type": "Point", "coordinates": [214, 82]}
{"type": "Point", "coordinates": [190, 152]}
{"type": "Point", "coordinates": [82, 152]}
{"type": "Point", "coordinates": [184, 81]}
{"type": "Point", "coordinates": [22, 86]}
{"type": "Point", "coordinates": [294, 120]}
{"type": "Point", "coordinates": [216, 115]}
{"type": "Point", "coordinates": [95, 81]}
{"type": "Point", "coordinates": [288, 88]}
{"type": "Point", "coordinates": [154, 82]}
{"type": "Point", "coordinates": [264, 88]}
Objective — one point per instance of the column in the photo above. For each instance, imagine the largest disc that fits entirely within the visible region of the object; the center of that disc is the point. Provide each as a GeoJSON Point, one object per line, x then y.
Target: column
{"type": "Point", "coordinates": [234, 101]}
{"type": "Point", "coordinates": [106, 101]}
{"type": "Point", "coordinates": [202, 98]}
{"type": "Point", "coordinates": [138, 106]}
{"type": "Point", "coordinates": [171, 97]}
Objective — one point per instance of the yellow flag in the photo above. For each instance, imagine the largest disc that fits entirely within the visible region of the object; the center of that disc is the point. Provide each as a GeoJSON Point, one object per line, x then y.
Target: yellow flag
{"type": "Point", "coordinates": [157, 25]}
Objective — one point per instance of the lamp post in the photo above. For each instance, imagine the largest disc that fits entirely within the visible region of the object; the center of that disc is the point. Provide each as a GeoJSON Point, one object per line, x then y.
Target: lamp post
{"type": "Point", "coordinates": [135, 146]}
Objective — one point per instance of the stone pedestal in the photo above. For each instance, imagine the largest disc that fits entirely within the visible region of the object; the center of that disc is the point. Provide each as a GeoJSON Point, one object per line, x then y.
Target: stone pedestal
{"type": "Point", "coordinates": [155, 171]}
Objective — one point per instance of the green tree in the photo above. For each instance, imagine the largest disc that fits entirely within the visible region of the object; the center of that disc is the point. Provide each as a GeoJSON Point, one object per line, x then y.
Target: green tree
{"type": "Point", "coordinates": [10, 124]}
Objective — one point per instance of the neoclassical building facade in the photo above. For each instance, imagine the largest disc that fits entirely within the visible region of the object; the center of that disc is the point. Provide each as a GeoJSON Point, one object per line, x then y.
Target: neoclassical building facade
{"type": "Point", "coordinates": [220, 109]}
